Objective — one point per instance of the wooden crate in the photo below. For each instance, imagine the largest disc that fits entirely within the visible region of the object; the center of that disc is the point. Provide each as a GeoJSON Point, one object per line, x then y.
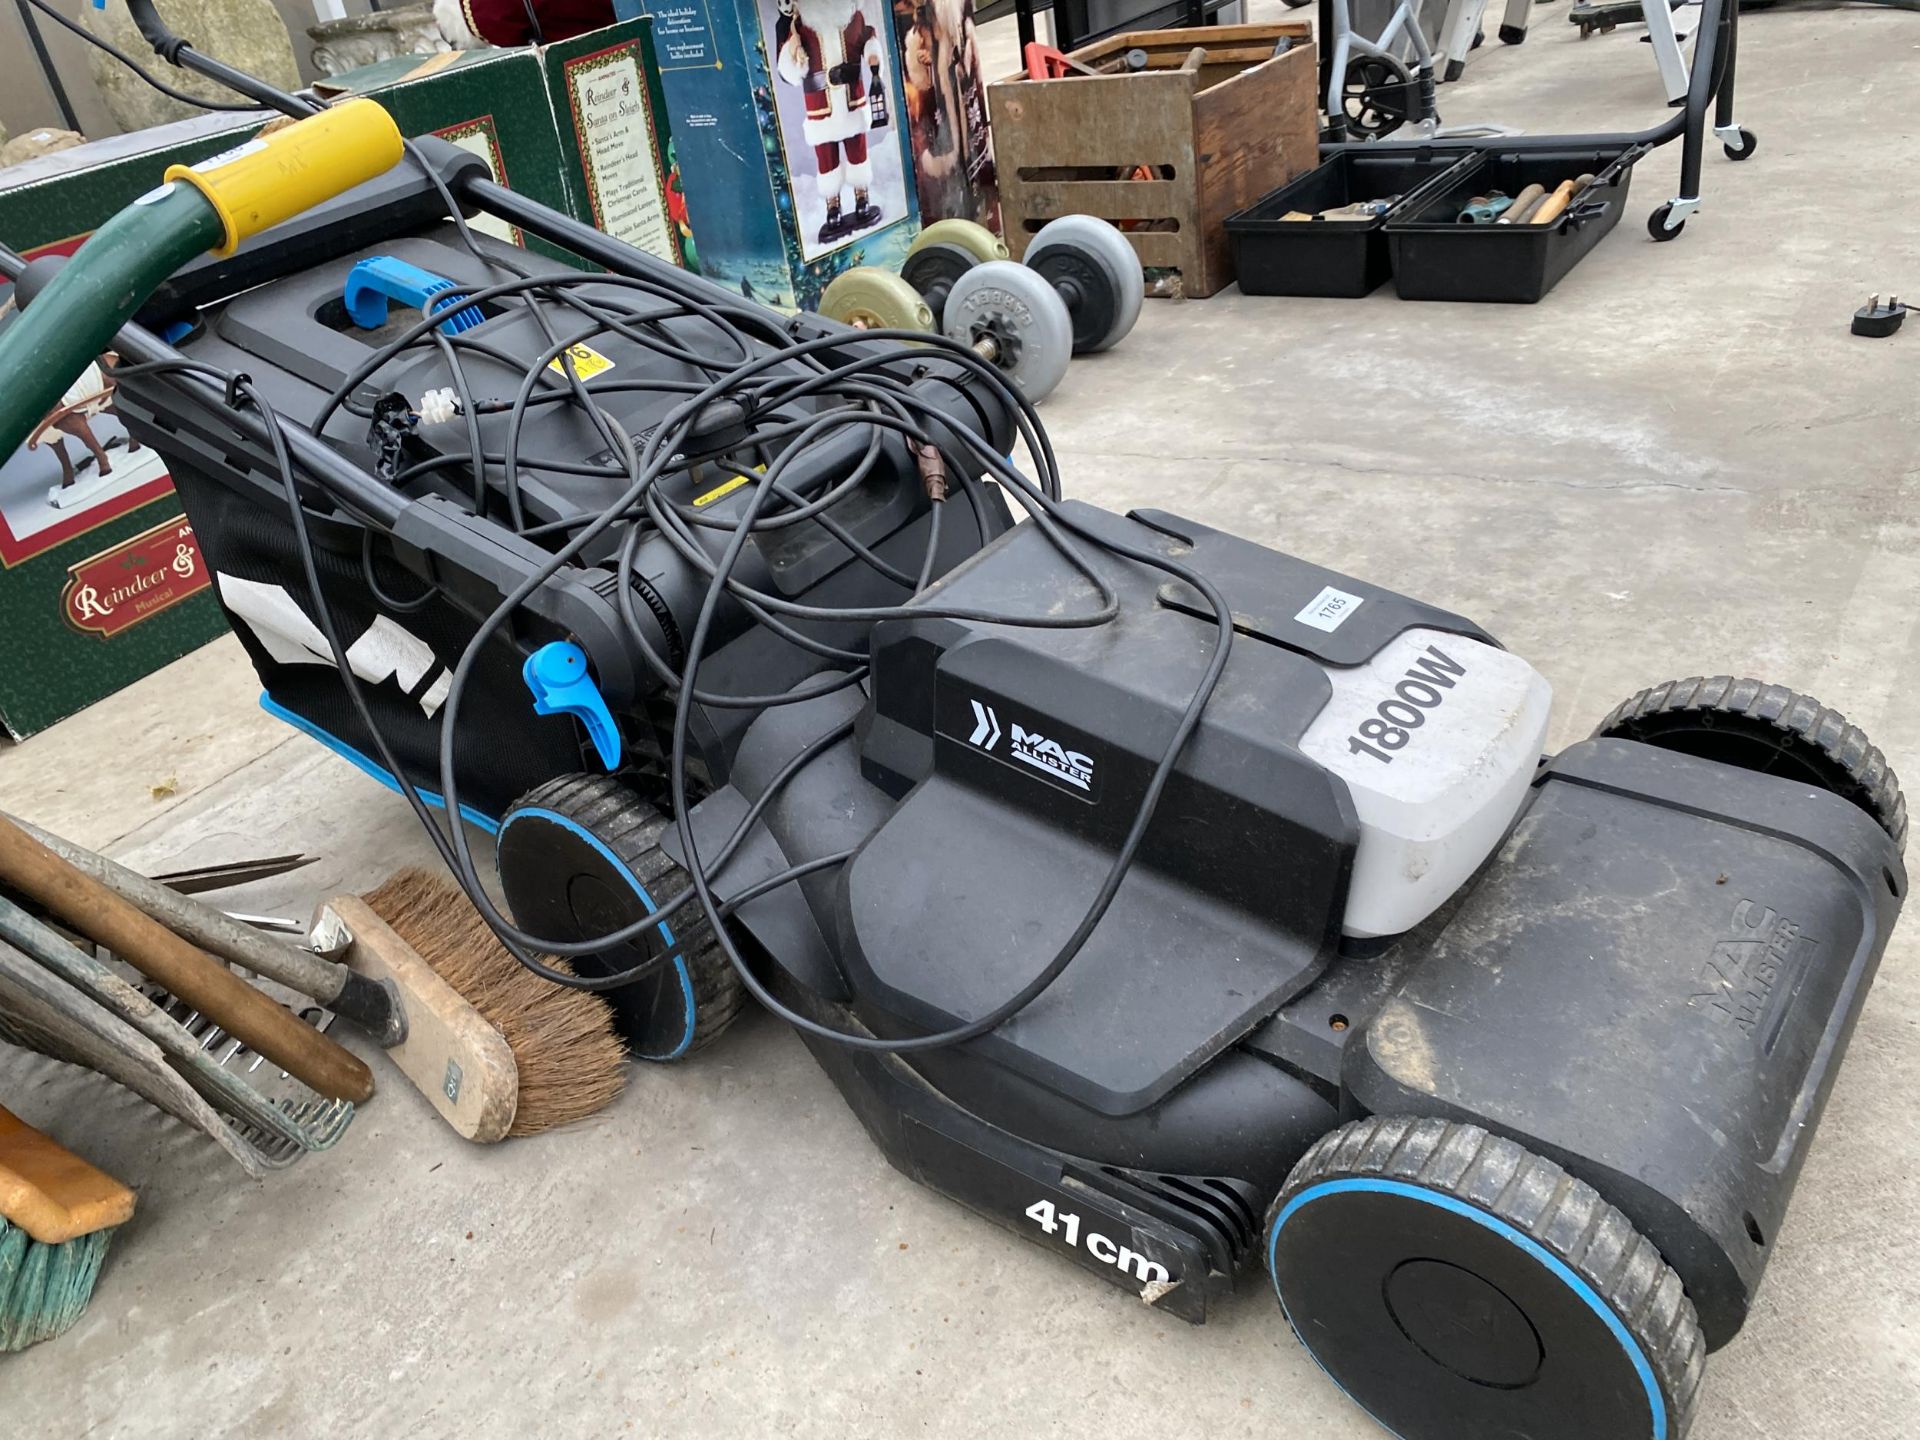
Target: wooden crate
{"type": "Point", "coordinates": [1216, 110]}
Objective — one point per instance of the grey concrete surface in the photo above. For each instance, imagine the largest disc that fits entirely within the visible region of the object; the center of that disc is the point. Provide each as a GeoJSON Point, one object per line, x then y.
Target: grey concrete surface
{"type": "Point", "coordinates": [1681, 462]}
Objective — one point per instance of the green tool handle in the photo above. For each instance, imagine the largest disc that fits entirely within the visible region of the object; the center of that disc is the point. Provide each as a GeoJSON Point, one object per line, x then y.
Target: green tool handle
{"type": "Point", "coordinates": [215, 205]}
{"type": "Point", "coordinates": [74, 318]}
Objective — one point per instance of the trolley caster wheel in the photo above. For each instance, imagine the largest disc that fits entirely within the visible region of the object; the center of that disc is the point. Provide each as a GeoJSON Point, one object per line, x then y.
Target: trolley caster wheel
{"type": "Point", "coordinates": [1657, 225]}
{"type": "Point", "coordinates": [1457, 1285]}
{"type": "Point", "coordinates": [1016, 321]}
{"type": "Point", "coordinates": [1749, 142]}
{"type": "Point", "coordinates": [1513, 35]}
{"type": "Point", "coordinates": [1097, 273]}
{"type": "Point", "coordinates": [1378, 96]}
{"type": "Point", "coordinates": [869, 298]}
{"type": "Point", "coordinates": [1766, 728]}
{"type": "Point", "coordinates": [579, 857]}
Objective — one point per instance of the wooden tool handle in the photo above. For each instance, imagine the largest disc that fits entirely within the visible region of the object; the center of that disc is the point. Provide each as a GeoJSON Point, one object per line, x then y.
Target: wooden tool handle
{"type": "Point", "coordinates": [1551, 207]}
{"type": "Point", "coordinates": [163, 957]}
{"type": "Point", "coordinates": [1523, 205]}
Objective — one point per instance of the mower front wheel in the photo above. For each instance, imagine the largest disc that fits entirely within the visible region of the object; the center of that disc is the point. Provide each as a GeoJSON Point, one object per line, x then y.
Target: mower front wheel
{"type": "Point", "coordinates": [1459, 1287]}
{"type": "Point", "coordinates": [579, 857]}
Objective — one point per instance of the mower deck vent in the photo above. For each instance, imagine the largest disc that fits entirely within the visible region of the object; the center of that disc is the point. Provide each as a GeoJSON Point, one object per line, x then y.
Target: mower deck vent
{"type": "Point", "coordinates": [1224, 1212]}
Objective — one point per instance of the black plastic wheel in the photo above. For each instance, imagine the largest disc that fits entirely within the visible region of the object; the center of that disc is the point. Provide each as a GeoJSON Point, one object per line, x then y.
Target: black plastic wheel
{"type": "Point", "coordinates": [1379, 95]}
{"type": "Point", "coordinates": [1749, 142]}
{"type": "Point", "coordinates": [580, 856]}
{"type": "Point", "coordinates": [1767, 728]}
{"type": "Point", "coordinates": [1657, 224]}
{"type": "Point", "coordinates": [1459, 1287]}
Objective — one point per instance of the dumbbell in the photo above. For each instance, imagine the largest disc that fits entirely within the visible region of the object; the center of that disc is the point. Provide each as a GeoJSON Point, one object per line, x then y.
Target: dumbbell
{"type": "Point", "coordinates": [945, 251]}
{"type": "Point", "coordinates": [1079, 291]}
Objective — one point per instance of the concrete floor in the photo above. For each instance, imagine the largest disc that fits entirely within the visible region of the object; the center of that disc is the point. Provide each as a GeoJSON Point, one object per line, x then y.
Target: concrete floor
{"type": "Point", "coordinates": [1680, 463]}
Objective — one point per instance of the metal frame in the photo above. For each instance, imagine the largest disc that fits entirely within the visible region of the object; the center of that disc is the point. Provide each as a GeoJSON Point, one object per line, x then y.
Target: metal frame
{"type": "Point", "coordinates": [1402, 26]}
{"type": "Point", "coordinates": [1710, 85]}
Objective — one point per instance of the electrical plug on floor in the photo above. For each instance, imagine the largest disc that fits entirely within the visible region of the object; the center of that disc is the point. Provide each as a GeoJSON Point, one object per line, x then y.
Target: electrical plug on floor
{"type": "Point", "coordinates": [1876, 320]}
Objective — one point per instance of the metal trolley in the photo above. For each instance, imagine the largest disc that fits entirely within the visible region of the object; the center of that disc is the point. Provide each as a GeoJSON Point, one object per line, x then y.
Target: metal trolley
{"type": "Point", "coordinates": [1710, 87]}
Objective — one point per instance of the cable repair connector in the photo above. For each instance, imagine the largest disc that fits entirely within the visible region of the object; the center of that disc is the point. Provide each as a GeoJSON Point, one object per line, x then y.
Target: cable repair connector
{"type": "Point", "coordinates": [1877, 321]}
{"type": "Point", "coordinates": [436, 407]}
{"type": "Point", "coordinates": [933, 470]}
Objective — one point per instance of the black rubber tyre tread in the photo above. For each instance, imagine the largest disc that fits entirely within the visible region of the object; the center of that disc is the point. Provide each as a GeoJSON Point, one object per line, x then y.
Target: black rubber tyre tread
{"type": "Point", "coordinates": [1567, 1217]}
{"type": "Point", "coordinates": [632, 829]}
{"type": "Point", "coordinates": [1857, 770]}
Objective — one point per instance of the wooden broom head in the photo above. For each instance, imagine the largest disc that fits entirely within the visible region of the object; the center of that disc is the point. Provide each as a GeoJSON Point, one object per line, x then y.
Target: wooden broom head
{"type": "Point", "coordinates": [51, 1193]}
{"type": "Point", "coordinates": [57, 1216]}
{"type": "Point", "coordinates": [570, 1059]}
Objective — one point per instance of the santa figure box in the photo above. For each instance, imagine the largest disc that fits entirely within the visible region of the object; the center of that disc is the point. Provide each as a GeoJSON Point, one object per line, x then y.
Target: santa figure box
{"type": "Point", "coordinates": [789, 137]}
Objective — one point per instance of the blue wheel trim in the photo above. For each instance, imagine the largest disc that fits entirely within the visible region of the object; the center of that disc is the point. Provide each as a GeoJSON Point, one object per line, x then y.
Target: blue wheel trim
{"type": "Point", "coordinates": [1656, 1405]}
{"type": "Point", "coordinates": [679, 961]}
{"type": "Point", "coordinates": [370, 767]}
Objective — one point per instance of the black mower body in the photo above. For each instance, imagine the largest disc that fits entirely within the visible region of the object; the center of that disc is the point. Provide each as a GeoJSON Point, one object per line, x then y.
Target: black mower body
{"type": "Point", "coordinates": [1651, 981]}
{"type": "Point", "coordinates": [1647, 969]}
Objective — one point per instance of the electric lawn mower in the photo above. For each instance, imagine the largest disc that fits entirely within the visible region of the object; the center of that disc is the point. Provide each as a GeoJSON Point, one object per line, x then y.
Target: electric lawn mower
{"type": "Point", "coordinates": [1183, 906]}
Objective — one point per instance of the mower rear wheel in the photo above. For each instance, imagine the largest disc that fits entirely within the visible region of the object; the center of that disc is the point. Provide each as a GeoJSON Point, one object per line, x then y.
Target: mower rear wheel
{"type": "Point", "coordinates": [1459, 1287]}
{"type": "Point", "coordinates": [1767, 728]}
{"type": "Point", "coordinates": [580, 856]}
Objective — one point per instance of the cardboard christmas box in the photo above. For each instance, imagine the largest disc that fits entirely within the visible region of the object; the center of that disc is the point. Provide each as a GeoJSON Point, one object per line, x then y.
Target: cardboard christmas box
{"type": "Point", "coordinates": [491, 102]}
{"type": "Point", "coordinates": [610, 114]}
{"type": "Point", "coordinates": [578, 126]}
{"type": "Point", "coordinates": [790, 139]}
{"type": "Point", "coordinates": [101, 581]}
{"type": "Point", "coordinates": [944, 101]}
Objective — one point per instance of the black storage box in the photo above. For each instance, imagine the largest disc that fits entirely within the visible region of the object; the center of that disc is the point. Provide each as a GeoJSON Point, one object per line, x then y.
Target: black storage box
{"type": "Point", "coordinates": [1333, 258]}
{"type": "Point", "coordinates": [1435, 257]}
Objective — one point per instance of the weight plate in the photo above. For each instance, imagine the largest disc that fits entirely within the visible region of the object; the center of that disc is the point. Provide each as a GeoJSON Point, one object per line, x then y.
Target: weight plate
{"type": "Point", "coordinates": [1091, 237]}
{"type": "Point", "coordinates": [870, 298]}
{"type": "Point", "coordinates": [976, 240]}
{"type": "Point", "coordinates": [1025, 317]}
{"type": "Point", "coordinates": [932, 269]}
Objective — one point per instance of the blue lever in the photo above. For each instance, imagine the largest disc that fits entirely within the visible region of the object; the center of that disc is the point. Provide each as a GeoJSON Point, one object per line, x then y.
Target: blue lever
{"type": "Point", "coordinates": [372, 283]}
{"type": "Point", "coordinates": [557, 675]}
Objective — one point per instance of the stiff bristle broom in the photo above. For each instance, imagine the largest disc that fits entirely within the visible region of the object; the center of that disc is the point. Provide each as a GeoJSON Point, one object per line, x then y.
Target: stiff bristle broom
{"type": "Point", "coordinates": [567, 1059]}
{"type": "Point", "coordinates": [495, 1049]}
{"type": "Point", "coordinates": [57, 1216]}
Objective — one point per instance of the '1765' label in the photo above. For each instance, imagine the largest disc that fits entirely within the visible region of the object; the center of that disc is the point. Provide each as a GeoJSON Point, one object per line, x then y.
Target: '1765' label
{"type": "Point", "coordinates": [135, 580]}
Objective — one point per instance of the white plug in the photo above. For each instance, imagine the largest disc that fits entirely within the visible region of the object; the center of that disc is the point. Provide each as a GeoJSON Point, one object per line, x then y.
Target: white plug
{"type": "Point", "coordinates": [436, 407]}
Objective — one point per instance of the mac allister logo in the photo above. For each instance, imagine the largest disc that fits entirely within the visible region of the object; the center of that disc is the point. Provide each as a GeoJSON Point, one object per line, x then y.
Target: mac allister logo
{"type": "Point", "coordinates": [1031, 748]}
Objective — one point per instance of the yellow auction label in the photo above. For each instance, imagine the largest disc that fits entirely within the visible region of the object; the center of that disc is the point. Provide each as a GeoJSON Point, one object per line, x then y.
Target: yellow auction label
{"type": "Point", "coordinates": [587, 362]}
{"type": "Point", "coordinates": [720, 492]}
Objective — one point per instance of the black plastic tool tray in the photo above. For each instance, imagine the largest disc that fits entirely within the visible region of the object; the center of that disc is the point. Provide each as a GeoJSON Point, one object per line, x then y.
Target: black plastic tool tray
{"type": "Point", "coordinates": [1435, 257]}
{"type": "Point", "coordinates": [1334, 258]}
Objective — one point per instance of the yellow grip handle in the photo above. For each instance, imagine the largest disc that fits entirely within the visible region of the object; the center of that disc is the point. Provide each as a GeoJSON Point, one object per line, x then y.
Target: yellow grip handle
{"type": "Point", "coordinates": [275, 177]}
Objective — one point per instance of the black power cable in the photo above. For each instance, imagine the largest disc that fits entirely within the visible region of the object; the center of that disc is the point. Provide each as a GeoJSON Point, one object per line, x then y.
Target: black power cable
{"type": "Point", "coordinates": [861, 391]}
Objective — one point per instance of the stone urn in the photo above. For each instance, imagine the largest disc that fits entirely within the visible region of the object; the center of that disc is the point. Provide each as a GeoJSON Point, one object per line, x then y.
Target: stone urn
{"type": "Point", "coordinates": [247, 34]}
{"type": "Point", "coordinates": [342, 45]}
